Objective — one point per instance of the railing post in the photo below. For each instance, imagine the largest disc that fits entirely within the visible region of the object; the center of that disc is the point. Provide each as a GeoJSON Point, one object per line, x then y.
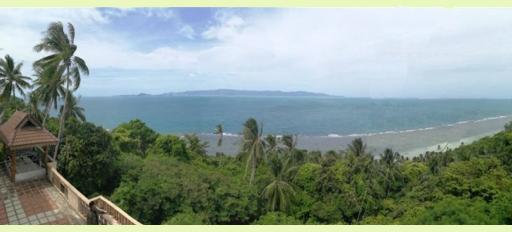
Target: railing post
{"type": "Point", "coordinates": [13, 165]}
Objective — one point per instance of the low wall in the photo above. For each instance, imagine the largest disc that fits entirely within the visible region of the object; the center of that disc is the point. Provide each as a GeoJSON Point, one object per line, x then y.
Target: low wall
{"type": "Point", "coordinates": [80, 203]}
{"type": "Point", "coordinates": [117, 213]}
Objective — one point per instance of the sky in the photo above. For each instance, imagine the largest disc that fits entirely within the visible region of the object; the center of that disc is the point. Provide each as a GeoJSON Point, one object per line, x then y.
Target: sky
{"type": "Point", "coordinates": [353, 52]}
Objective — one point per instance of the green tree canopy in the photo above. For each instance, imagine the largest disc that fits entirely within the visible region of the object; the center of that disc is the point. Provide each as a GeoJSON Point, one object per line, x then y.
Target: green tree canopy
{"type": "Point", "coordinates": [87, 158]}
{"type": "Point", "coordinates": [134, 136]}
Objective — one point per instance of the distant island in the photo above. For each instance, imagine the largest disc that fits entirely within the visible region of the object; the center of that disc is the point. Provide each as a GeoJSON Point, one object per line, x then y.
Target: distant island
{"type": "Point", "coordinates": [234, 92]}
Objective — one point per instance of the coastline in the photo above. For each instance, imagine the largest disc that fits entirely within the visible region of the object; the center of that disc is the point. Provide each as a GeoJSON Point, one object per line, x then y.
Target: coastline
{"type": "Point", "coordinates": [445, 146]}
{"type": "Point", "coordinates": [409, 143]}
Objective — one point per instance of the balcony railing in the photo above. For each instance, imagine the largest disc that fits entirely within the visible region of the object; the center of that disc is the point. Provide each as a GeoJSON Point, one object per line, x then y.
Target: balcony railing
{"type": "Point", "coordinates": [118, 214]}
{"type": "Point", "coordinates": [80, 203]}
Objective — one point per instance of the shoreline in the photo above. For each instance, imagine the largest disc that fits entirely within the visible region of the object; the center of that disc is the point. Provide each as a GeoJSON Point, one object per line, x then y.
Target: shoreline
{"type": "Point", "coordinates": [440, 147]}
{"type": "Point", "coordinates": [409, 143]}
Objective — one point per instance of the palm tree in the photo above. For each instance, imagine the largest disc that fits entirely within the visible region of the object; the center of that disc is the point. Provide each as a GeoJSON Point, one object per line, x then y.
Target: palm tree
{"type": "Point", "coordinates": [389, 162]}
{"type": "Point", "coordinates": [219, 131]}
{"type": "Point", "coordinates": [358, 159]}
{"type": "Point", "coordinates": [271, 143]}
{"type": "Point", "coordinates": [279, 192]}
{"type": "Point", "coordinates": [32, 106]}
{"type": "Point", "coordinates": [290, 142]}
{"type": "Point", "coordinates": [357, 147]}
{"type": "Point", "coordinates": [62, 49]}
{"type": "Point", "coordinates": [49, 88]}
{"type": "Point", "coordinates": [253, 145]}
{"type": "Point", "coordinates": [73, 110]}
{"type": "Point", "coordinates": [11, 79]}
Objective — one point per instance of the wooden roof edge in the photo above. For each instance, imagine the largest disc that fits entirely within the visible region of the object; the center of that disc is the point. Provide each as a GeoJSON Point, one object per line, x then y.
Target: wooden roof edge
{"type": "Point", "coordinates": [31, 145]}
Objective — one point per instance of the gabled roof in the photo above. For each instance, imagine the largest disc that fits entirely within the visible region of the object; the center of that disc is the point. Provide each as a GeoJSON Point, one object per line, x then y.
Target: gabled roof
{"type": "Point", "coordinates": [22, 131]}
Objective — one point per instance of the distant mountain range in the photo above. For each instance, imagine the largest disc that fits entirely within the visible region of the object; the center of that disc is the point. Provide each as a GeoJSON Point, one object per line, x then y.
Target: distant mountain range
{"type": "Point", "coordinates": [234, 92]}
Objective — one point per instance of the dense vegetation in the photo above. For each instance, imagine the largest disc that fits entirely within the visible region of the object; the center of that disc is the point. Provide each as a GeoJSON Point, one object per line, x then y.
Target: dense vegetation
{"type": "Point", "coordinates": [168, 179]}
{"type": "Point", "coordinates": [173, 181]}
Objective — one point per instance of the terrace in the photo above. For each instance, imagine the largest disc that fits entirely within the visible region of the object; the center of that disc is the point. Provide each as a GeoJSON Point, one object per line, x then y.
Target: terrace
{"type": "Point", "coordinates": [34, 202]}
{"type": "Point", "coordinates": [32, 191]}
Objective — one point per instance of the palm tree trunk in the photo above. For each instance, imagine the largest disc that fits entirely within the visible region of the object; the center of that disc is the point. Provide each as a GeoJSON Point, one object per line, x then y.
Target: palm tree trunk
{"type": "Point", "coordinates": [47, 112]}
{"type": "Point", "coordinates": [62, 117]}
{"type": "Point", "coordinates": [253, 170]}
{"type": "Point", "coordinates": [14, 98]}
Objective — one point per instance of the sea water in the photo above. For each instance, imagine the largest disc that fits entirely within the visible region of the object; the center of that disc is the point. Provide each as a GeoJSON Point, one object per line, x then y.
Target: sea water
{"type": "Point", "coordinates": [312, 118]}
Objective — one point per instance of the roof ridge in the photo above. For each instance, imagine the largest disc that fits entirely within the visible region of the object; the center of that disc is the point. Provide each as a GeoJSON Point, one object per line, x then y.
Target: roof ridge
{"type": "Point", "coordinates": [13, 131]}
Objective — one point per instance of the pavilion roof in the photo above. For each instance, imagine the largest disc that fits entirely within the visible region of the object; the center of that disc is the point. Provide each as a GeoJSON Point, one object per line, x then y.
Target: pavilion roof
{"type": "Point", "coordinates": [22, 131]}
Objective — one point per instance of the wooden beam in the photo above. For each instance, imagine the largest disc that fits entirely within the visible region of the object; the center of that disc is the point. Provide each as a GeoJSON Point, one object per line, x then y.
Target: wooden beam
{"type": "Point", "coordinates": [45, 156]}
{"type": "Point", "coordinates": [13, 166]}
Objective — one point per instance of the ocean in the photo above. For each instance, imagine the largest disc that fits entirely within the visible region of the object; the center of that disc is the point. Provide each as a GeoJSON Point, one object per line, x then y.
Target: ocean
{"type": "Point", "coordinates": [322, 123]}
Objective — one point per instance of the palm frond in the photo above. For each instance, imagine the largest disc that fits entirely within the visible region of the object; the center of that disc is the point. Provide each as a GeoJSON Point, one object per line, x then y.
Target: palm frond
{"type": "Point", "coordinates": [82, 66]}
{"type": "Point", "coordinates": [71, 33]}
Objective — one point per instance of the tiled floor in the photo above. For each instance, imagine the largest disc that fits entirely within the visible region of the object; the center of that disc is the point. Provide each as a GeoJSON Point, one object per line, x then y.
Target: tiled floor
{"type": "Point", "coordinates": [33, 202]}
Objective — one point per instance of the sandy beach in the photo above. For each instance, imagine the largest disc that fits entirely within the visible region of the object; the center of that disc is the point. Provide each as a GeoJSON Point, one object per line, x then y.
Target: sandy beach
{"type": "Point", "coordinates": [409, 142]}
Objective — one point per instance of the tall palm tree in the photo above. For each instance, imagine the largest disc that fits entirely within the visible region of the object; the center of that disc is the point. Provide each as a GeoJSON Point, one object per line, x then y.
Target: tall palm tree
{"type": "Point", "coordinates": [271, 143]}
{"type": "Point", "coordinates": [219, 131]}
{"type": "Point", "coordinates": [49, 87]}
{"type": "Point", "coordinates": [73, 110]}
{"type": "Point", "coordinates": [62, 48]}
{"type": "Point", "coordinates": [289, 142]}
{"type": "Point", "coordinates": [279, 192]}
{"type": "Point", "coordinates": [253, 145]}
{"type": "Point", "coordinates": [11, 78]}
{"type": "Point", "coordinates": [358, 159]}
{"type": "Point", "coordinates": [357, 147]}
{"type": "Point", "coordinates": [389, 162]}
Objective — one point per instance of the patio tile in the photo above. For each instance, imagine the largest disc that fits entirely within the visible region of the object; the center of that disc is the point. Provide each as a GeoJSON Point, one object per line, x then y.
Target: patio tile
{"type": "Point", "coordinates": [34, 202]}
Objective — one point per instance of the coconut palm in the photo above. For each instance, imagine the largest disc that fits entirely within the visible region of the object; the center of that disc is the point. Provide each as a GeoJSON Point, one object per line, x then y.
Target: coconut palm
{"type": "Point", "coordinates": [73, 110]}
{"type": "Point", "coordinates": [253, 145]}
{"type": "Point", "coordinates": [390, 170]}
{"type": "Point", "coordinates": [49, 87]}
{"type": "Point", "coordinates": [279, 192]}
{"type": "Point", "coordinates": [62, 48]}
{"type": "Point", "coordinates": [358, 159]}
{"type": "Point", "coordinates": [32, 106]}
{"type": "Point", "coordinates": [219, 131]}
{"type": "Point", "coordinates": [11, 78]}
{"type": "Point", "coordinates": [291, 154]}
{"type": "Point", "coordinates": [357, 147]}
{"type": "Point", "coordinates": [271, 143]}
{"type": "Point", "coordinates": [289, 142]}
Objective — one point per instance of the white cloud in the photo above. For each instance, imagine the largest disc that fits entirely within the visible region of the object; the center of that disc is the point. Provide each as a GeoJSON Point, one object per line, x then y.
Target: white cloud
{"type": "Point", "coordinates": [187, 31]}
{"type": "Point", "coordinates": [21, 29]}
{"type": "Point", "coordinates": [162, 13]}
{"type": "Point", "coordinates": [227, 26]}
{"type": "Point", "coordinates": [400, 52]}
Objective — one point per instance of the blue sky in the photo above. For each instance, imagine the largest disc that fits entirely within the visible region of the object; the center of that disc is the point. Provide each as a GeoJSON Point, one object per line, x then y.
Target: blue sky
{"type": "Point", "coordinates": [356, 52]}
